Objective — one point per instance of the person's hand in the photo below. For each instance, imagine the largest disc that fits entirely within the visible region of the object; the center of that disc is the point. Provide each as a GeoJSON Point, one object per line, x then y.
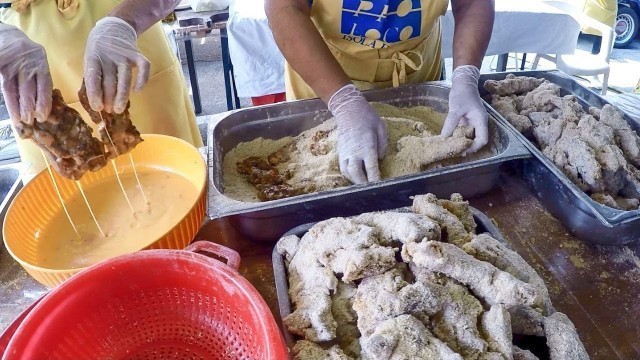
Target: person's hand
{"type": "Point", "coordinates": [465, 106]}
{"type": "Point", "coordinates": [362, 135]}
{"type": "Point", "coordinates": [109, 58]}
{"type": "Point", "coordinates": [26, 81]}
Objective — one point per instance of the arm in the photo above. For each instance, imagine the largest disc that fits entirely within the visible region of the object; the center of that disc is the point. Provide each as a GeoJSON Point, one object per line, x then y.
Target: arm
{"type": "Point", "coordinates": [142, 14]}
{"type": "Point", "coordinates": [304, 48]}
{"type": "Point", "coordinates": [473, 27]}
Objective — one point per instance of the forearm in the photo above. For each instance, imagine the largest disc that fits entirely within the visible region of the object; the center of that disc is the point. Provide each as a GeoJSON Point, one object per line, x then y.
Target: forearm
{"type": "Point", "coordinates": [142, 14]}
{"type": "Point", "coordinates": [473, 27]}
{"type": "Point", "coordinates": [303, 47]}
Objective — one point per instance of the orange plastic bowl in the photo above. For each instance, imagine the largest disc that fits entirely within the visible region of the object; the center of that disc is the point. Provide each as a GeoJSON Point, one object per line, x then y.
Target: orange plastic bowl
{"type": "Point", "coordinates": [37, 204]}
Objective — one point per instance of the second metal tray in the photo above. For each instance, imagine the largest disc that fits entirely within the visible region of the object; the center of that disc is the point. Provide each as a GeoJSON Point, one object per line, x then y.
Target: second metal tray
{"type": "Point", "coordinates": [267, 221]}
{"type": "Point", "coordinates": [484, 225]}
{"type": "Point", "coordinates": [587, 219]}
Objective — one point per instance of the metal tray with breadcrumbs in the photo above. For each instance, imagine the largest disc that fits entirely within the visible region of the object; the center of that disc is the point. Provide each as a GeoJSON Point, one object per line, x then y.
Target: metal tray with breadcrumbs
{"type": "Point", "coordinates": [267, 221]}
{"type": "Point", "coordinates": [587, 219]}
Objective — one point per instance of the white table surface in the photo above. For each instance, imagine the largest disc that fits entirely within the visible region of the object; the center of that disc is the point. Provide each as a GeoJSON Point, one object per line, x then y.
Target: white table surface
{"type": "Point", "coordinates": [524, 26]}
{"type": "Point", "coordinates": [520, 26]}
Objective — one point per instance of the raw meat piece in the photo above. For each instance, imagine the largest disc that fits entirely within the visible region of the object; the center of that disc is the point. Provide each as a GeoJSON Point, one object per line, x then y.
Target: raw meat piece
{"type": "Point", "coordinates": [307, 350]}
{"type": "Point", "coordinates": [519, 354]}
{"type": "Point", "coordinates": [485, 281]}
{"type": "Point", "coordinates": [66, 139]}
{"type": "Point", "coordinates": [418, 152]}
{"type": "Point", "coordinates": [453, 229]}
{"type": "Point", "coordinates": [496, 328]}
{"type": "Point", "coordinates": [486, 248]}
{"type": "Point", "coordinates": [400, 227]}
{"type": "Point", "coordinates": [117, 132]}
{"type": "Point", "coordinates": [350, 249]}
{"type": "Point", "coordinates": [562, 339]}
{"type": "Point", "coordinates": [405, 338]}
{"type": "Point", "coordinates": [512, 85]}
{"type": "Point", "coordinates": [310, 288]}
{"type": "Point", "coordinates": [626, 138]}
{"type": "Point", "coordinates": [547, 129]}
{"type": "Point", "coordinates": [386, 296]}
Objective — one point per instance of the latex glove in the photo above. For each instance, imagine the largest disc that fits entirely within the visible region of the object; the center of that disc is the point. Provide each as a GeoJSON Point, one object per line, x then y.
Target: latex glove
{"type": "Point", "coordinates": [109, 58]}
{"type": "Point", "coordinates": [465, 106]}
{"type": "Point", "coordinates": [362, 135]}
{"type": "Point", "coordinates": [26, 81]}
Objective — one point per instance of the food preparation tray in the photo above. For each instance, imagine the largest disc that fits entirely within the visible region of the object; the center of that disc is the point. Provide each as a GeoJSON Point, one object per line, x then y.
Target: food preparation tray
{"type": "Point", "coordinates": [280, 272]}
{"type": "Point", "coordinates": [587, 219]}
{"type": "Point", "coordinates": [267, 221]}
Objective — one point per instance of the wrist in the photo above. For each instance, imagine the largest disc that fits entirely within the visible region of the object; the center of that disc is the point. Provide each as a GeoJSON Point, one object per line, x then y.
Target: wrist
{"type": "Point", "coordinates": [119, 22]}
{"type": "Point", "coordinates": [344, 96]}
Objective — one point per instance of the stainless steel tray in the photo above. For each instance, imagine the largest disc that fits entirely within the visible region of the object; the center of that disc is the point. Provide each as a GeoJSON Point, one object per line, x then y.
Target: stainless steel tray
{"type": "Point", "coordinates": [267, 221]}
{"type": "Point", "coordinates": [280, 272]}
{"type": "Point", "coordinates": [588, 220]}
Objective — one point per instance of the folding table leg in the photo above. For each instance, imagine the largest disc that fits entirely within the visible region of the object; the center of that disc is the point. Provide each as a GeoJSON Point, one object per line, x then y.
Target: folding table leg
{"type": "Point", "coordinates": [193, 77]}
{"type": "Point", "coordinates": [229, 83]}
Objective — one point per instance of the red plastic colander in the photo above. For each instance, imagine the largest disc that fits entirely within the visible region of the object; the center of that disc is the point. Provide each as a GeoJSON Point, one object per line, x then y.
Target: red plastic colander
{"type": "Point", "coordinates": [153, 304]}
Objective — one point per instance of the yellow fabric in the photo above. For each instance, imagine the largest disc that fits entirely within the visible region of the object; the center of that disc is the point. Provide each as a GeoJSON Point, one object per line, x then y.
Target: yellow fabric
{"type": "Point", "coordinates": [379, 44]}
{"type": "Point", "coordinates": [63, 26]}
{"type": "Point", "coordinates": [605, 11]}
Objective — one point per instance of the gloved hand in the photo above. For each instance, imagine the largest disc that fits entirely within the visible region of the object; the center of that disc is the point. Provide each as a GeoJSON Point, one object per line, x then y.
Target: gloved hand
{"type": "Point", "coordinates": [109, 58]}
{"type": "Point", "coordinates": [26, 81]}
{"type": "Point", "coordinates": [362, 135]}
{"type": "Point", "coordinates": [465, 106]}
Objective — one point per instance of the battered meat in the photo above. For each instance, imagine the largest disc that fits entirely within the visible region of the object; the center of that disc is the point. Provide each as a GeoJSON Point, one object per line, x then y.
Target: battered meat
{"type": "Point", "coordinates": [117, 132]}
{"type": "Point", "coordinates": [444, 301]}
{"type": "Point", "coordinates": [395, 227]}
{"type": "Point", "coordinates": [405, 338]}
{"type": "Point", "coordinates": [386, 296]}
{"type": "Point", "coordinates": [512, 85]}
{"type": "Point", "coordinates": [350, 249]}
{"type": "Point", "coordinates": [626, 138]}
{"type": "Point", "coordinates": [596, 149]}
{"type": "Point", "coordinates": [307, 350]}
{"type": "Point", "coordinates": [310, 288]}
{"type": "Point", "coordinates": [418, 152]}
{"type": "Point", "coordinates": [507, 107]}
{"type": "Point", "coordinates": [66, 139]}
{"type": "Point", "coordinates": [519, 354]}
{"type": "Point", "coordinates": [347, 333]}
{"type": "Point", "coordinates": [486, 248]}
{"type": "Point", "coordinates": [496, 328]}
{"type": "Point", "coordinates": [562, 339]}
{"type": "Point", "coordinates": [453, 229]}
{"type": "Point", "coordinates": [457, 322]}
{"type": "Point", "coordinates": [485, 281]}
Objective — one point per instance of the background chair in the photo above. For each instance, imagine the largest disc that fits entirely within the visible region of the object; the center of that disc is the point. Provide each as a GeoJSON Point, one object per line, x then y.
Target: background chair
{"type": "Point", "coordinates": [583, 63]}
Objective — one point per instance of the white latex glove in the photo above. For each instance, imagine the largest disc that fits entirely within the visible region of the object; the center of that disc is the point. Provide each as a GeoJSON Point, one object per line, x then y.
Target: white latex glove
{"type": "Point", "coordinates": [362, 135]}
{"type": "Point", "coordinates": [109, 58]}
{"type": "Point", "coordinates": [26, 81]}
{"type": "Point", "coordinates": [465, 106]}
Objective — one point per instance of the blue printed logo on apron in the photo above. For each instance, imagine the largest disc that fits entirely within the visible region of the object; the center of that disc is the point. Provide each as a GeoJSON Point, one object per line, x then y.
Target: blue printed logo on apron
{"type": "Point", "coordinates": [376, 23]}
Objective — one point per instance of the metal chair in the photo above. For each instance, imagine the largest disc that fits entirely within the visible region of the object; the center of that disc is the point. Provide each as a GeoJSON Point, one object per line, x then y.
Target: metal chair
{"type": "Point", "coordinates": [583, 64]}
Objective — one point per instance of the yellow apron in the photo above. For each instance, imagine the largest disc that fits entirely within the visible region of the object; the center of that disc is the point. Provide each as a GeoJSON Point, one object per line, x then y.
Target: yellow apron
{"type": "Point", "coordinates": [162, 107]}
{"type": "Point", "coordinates": [605, 11]}
{"type": "Point", "coordinates": [378, 43]}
